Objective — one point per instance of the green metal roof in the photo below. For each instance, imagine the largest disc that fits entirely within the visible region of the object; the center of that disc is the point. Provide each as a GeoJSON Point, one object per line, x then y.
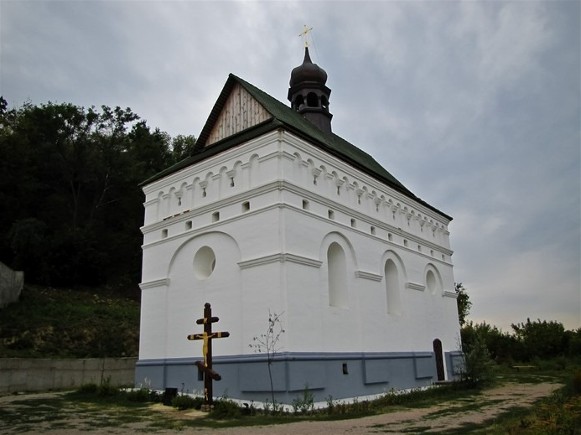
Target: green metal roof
{"type": "Point", "coordinates": [286, 118]}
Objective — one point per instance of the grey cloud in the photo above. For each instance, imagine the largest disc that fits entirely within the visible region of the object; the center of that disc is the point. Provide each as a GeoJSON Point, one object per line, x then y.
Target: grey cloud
{"type": "Point", "coordinates": [472, 105]}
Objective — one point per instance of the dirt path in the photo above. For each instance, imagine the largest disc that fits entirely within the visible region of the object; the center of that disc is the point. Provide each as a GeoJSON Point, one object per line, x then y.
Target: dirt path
{"type": "Point", "coordinates": [461, 413]}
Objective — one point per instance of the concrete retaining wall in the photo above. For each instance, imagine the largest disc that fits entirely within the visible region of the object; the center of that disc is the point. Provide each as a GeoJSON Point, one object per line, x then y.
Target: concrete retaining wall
{"type": "Point", "coordinates": [11, 283]}
{"type": "Point", "coordinates": [22, 374]}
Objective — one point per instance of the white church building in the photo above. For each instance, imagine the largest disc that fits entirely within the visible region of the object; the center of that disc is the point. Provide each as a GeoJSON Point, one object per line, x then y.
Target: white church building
{"type": "Point", "coordinates": [273, 212]}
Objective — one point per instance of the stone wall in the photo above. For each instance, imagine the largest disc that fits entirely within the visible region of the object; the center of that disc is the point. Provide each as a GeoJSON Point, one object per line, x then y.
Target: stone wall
{"type": "Point", "coordinates": [27, 374]}
{"type": "Point", "coordinates": [11, 283]}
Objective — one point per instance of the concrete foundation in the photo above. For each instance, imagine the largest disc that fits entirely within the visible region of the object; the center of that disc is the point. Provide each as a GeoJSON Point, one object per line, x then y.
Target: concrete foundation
{"type": "Point", "coordinates": [23, 374]}
{"type": "Point", "coordinates": [11, 283]}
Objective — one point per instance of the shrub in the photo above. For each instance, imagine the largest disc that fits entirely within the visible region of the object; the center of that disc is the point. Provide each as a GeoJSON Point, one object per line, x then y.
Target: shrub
{"type": "Point", "coordinates": [304, 404]}
{"type": "Point", "coordinates": [541, 339]}
{"type": "Point", "coordinates": [105, 389]}
{"type": "Point", "coordinates": [88, 388]}
{"type": "Point", "coordinates": [183, 401]}
{"type": "Point", "coordinates": [226, 408]}
{"type": "Point", "coordinates": [142, 395]}
{"type": "Point", "coordinates": [360, 408]}
{"type": "Point", "coordinates": [479, 367]}
{"type": "Point", "coordinates": [576, 382]}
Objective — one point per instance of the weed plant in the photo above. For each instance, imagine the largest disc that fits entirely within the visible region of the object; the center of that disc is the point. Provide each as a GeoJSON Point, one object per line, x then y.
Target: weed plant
{"type": "Point", "coordinates": [183, 401]}
{"type": "Point", "coordinates": [143, 395]}
{"type": "Point", "coordinates": [560, 413]}
{"type": "Point", "coordinates": [304, 404]}
{"type": "Point", "coordinates": [226, 409]}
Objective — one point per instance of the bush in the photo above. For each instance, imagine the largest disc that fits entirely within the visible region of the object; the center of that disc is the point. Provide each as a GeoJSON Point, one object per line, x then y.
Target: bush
{"type": "Point", "coordinates": [88, 389]}
{"type": "Point", "coordinates": [576, 383]}
{"type": "Point", "coordinates": [479, 367]}
{"type": "Point", "coordinates": [541, 339]}
{"type": "Point", "coordinates": [106, 389]}
{"type": "Point", "coordinates": [360, 408]}
{"type": "Point", "coordinates": [558, 363]}
{"type": "Point", "coordinates": [304, 404]}
{"type": "Point", "coordinates": [502, 347]}
{"type": "Point", "coordinates": [574, 343]}
{"type": "Point", "coordinates": [226, 408]}
{"type": "Point", "coordinates": [142, 395]}
{"type": "Point", "coordinates": [183, 401]}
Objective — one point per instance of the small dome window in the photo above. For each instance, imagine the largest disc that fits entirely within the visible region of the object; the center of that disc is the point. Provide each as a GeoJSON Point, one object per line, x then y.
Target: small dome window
{"type": "Point", "coordinates": [299, 101]}
{"type": "Point", "coordinates": [312, 100]}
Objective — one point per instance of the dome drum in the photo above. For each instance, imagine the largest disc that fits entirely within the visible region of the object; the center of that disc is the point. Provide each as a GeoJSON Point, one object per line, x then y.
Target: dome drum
{"type": "Point", "coordinates": [303, 97]}
{"type": "Point", "coordinates": [308, 94]}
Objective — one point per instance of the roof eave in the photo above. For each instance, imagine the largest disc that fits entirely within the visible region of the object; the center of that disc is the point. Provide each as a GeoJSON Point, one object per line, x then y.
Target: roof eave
{"type": "Point", "coordinates": [204, 153]}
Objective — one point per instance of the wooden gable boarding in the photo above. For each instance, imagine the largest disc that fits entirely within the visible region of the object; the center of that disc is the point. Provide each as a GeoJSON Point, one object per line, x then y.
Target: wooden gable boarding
{"type": "Point", "coordinates": [240, 111]}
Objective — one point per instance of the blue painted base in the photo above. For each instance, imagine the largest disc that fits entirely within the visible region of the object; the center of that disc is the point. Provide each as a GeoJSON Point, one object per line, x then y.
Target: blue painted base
{"type": "Point", "coordinates": [336, 375]}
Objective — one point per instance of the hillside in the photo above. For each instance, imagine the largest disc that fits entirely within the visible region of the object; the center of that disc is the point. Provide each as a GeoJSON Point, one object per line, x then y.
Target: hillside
{"type": "Point", "coordinates": [65, 323]}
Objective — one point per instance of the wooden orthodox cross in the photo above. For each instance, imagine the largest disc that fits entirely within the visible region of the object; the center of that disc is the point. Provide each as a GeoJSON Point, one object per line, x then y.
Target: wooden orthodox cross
{"type": "Point", "coordinates": [205, 367]}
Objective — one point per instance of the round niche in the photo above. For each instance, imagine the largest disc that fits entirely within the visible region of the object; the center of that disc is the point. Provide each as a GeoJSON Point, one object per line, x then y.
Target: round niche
{"type": "Point", "coordinates": [204, 262]}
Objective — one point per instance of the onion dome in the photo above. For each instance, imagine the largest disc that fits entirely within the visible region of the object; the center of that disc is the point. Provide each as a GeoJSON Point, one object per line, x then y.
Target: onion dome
{"type": "Point", "coordinates": [308, 72]}
{"type": "Point", "coordinates": [308, 93]}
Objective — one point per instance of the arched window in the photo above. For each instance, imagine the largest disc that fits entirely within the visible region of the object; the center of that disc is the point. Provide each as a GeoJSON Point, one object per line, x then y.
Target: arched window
{"type": "Point", "coordinates": [299, 101]}
{"type": "Point", "coordinates": [337, 269]}
{"type": "Point", "coordinates": [312, 100]}
{"type": "Point", "coordinates": [431, 281]}
{"type": "Point", "coordinates": [392, 287]}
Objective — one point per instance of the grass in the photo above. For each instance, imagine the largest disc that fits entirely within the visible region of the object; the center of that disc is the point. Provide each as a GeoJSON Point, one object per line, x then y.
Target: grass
{"type": "Point", "coordinates": [65, 323]}
{"type": "Point", "coordinates": [95, 323]}
{"type": "Point", "coordinates": [103, 406]}
{"type": "Point", "coordinates": [559, 413]}
{"type": "Point", "coordinates": [462, 406]}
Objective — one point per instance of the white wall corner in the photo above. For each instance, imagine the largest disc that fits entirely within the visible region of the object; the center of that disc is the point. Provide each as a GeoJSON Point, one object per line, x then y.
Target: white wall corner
{"type": "Point", "coordinates": [153, 284]}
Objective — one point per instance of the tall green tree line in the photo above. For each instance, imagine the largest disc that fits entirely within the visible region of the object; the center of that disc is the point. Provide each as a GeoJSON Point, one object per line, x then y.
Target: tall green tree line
{"type": "Point", "coordinates": [70, 201]}
{"type": "Point", "coordinates": [528, 340]}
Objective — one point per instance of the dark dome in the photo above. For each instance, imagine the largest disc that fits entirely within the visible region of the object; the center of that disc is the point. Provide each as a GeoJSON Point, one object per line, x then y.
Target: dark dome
{"type": "Point", "coordinates": [308, 72]}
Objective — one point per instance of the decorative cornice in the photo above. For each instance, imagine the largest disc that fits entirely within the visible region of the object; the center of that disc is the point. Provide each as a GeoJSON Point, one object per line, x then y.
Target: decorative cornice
{"type": "Point", "coordinates": [281, 258]}
{"type": "Point", "coordinates": [213, 206]}
{"type": "Point", "coordinates": [283, 185]}
{"type": "Point", "coordinates": [163, 282]}
{"type": "Point", "coordinates": [365, 179]}
{"type": "Point", "coordinates": [362, 216]}
{"type": "Point", "coordinates": [368, 275]}
{"type": "Point", "coordinates": [305, 261]}
{"type": "Point", "coordinates": [450, 294]}
{"type": "Point", "coordinates": [207, 164]}
{"type": "Point", "coordinates": [415, 286]}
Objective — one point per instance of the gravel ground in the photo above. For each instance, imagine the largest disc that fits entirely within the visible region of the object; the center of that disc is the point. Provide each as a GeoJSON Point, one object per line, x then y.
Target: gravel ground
{"type": "Point", "coordinates": [437, 418]}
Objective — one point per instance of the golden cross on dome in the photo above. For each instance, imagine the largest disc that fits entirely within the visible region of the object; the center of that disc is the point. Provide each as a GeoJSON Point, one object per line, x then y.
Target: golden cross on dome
{"type": "Point", "coordinates": [305, 34]}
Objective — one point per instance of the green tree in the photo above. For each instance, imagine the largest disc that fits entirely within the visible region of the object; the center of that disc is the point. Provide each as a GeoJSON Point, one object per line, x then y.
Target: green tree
{"type": "Point", "coordinates": [70, 190]}
{"type": "Point", "coordinates": [541, 339]}
{"type": "Point", "coordinates": [501, 346]}
{"type": "Point", "coordinates": [182, 147]}
{"type": "Point", "coordinates": [574, 343]}
{"type": "Point", "coordinates": [479, 366]}
{"type": "Point", "coordinates": [463, 302]}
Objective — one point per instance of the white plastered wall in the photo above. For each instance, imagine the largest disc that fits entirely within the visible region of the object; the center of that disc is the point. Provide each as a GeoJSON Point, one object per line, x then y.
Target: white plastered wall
{"type": "Point", "coordinates": [272, 255]}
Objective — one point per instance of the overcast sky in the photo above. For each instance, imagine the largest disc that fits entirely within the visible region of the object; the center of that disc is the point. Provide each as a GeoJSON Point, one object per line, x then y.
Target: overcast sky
{"type": "Point", "coordinates": [474, 106]}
